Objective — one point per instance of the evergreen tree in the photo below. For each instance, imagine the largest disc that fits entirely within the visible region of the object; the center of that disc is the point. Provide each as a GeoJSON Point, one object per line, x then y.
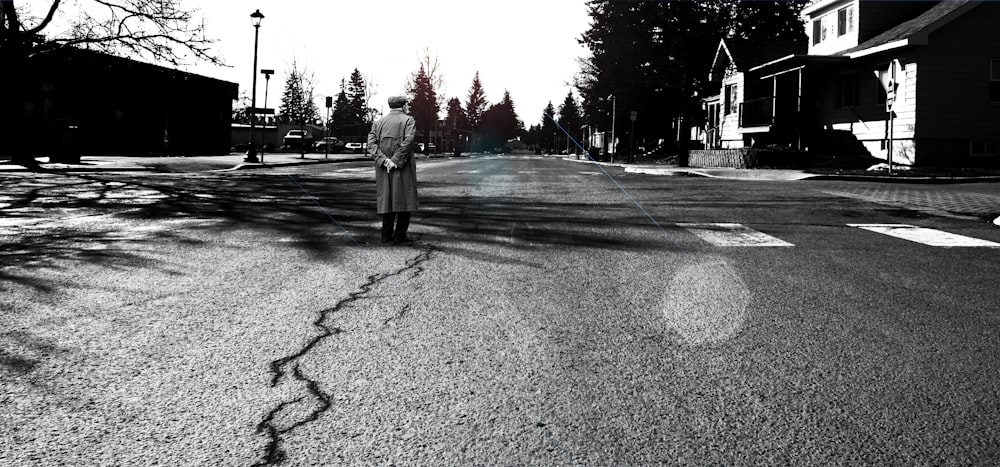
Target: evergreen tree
{"type": "Point", "coordinates": [456, 118]}
{"type": "Point", "coordinates": [340, 117]}
{"type": "Point", "coordinates": [549, 132]}
{"type": "Point", "coordinates": [357, 113]}
{"type": "Point", "coordinates": [297, 101]}
{"type": "Point", "coordinates": [500, 123]}
{"type": "Point", "coordinates": [475, 104]}
{"type": "Point", "coordinates": [457, 123]}
{"type": "Point", "coordinates": [764, 20]}
{"type": "Point", "coordinates": [423, 103]}
{"type": "Point", "coordinates": [570, 120]}
{"type": "Point", "coordinates": [241, 112]}
{"type": "Point", "coordinates": [533, 137]}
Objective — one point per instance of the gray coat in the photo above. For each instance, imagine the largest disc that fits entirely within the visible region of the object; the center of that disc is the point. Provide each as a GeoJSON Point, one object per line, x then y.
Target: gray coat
{"type": "Point", "coordinates": [392, 137]}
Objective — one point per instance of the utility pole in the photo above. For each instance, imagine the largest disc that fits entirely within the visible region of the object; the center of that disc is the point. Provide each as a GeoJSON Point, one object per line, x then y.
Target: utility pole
{"type": "Point", "coordinates": [614, 110]}
{"type": "Point", "coordinates": [631, 136]}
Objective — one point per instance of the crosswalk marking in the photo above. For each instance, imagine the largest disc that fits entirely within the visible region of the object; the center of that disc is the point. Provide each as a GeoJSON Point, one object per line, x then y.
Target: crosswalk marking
{"type": "Point", "coordinates": [730, 234]}
{"type": "Point", "coordinates": [926, 236]}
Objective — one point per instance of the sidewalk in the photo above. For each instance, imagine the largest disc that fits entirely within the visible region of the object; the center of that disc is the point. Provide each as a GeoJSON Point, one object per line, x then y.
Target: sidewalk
{"type": "Point", "coordinates": [984, 202]}
{"type": "Point", "coordinates": [232, 161]}
{"type": "Point", "coordinates": [235, 161]}
{"type": "Point", "coordinates": [944, 196]}
{"type": "Point", "coordinates": [782, 174]}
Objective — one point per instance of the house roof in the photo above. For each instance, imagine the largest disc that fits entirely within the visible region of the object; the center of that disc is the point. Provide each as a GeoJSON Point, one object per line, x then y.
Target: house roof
{"type": "Point", "coordinates": [914, 31]}
{"type": "Point", "coordinates": [746, 54]}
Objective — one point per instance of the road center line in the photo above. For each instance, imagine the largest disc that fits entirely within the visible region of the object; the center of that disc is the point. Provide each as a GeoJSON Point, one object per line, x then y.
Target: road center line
{"type": "Point", "coordinates": [926, 236]}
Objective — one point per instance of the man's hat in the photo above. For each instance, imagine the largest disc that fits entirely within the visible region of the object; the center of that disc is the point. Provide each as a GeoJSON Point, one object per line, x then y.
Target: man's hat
{"type": "Point", "coordinates": [396, 102]}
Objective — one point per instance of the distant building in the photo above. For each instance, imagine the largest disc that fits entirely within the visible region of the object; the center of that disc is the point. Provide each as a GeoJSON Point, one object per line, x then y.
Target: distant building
{"type": "Point", "coordinates": [83, 102]}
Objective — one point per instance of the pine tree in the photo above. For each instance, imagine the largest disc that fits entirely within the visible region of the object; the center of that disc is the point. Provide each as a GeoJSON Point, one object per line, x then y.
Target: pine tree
{"type": "Point", "coordinates": [533, 138]}
{"type": "Point", "coordinates": [423, 103]}
{"type": "Point", "coordinates": [456, 118]}
{"type": "Point", "coordinates": [475, 104]}
{"type": "Point", "coordinates": [357, 107]}
{"type": "Point", "coordinates": [457, 123]}
{"type": "Point", "coordinates": [549, 132]}
{"type": "Point", "coordinates": [570, 120]}
{"type": "Point", "coordinates": [500, 123]}
{"type": "Point", "coordinates": [297, 102]}
{"type": "Point", "coordinates": [340, 120]}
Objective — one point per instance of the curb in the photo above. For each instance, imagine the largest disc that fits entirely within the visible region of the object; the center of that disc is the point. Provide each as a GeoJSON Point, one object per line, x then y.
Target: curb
{"type": "Point", "coordinates": [75, 169]}
{"type": "Point", "coordinates": [792, 175]}
{"type": "Point", "coordinates": [262, 165]}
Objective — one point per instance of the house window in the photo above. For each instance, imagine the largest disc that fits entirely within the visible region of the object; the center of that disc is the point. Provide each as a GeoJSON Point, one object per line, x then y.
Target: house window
{"type": "Point", "coordinates": [847, 90]}
{"type": "Point", "coordinates": [995, 80]}
{"type": "Point", "coordinates": [817, 31]}
{"type": "Point", "coordinates": [845, 21]}
{"type": "Point", "coordinates": [984, 148]}
{"type": "Point", "coordinates": [731, 103]}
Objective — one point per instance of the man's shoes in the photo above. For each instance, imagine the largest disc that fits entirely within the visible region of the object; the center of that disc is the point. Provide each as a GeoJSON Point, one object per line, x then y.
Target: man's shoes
{"type": "Point", "coordinates": [386, 239]}
{"type": "Point", "coordinates": [402, 240]}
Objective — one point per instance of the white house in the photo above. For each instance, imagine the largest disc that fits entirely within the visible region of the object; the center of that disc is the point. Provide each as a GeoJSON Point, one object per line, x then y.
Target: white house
{"type": "Point", "coordinates": [942, 60]}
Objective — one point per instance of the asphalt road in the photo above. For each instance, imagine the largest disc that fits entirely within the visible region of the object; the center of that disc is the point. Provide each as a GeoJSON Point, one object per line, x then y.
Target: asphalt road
{"type": "Point", "coordinates": [549, 313]}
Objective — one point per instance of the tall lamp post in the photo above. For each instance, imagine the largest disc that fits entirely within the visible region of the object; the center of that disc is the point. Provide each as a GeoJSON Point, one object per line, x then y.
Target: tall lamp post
{"type": "Point", "coordinates": [255, 18]}
{"type": "Point", "coordinates": [267, 81]}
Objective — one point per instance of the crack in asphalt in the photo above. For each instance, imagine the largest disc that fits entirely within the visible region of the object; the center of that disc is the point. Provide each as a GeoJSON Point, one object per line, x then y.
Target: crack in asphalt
{"type": "Point", "coordinates": [397, 316]}
{"type": "Point", "coordinates": [274, 454]}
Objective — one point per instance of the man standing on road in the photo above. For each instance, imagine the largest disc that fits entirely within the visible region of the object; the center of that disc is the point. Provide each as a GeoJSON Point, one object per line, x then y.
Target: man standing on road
{"type": "Point", "coordinates": [390, 142]}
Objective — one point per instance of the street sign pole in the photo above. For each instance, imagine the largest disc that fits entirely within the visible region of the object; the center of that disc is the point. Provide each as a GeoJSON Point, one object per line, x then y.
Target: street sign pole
{"type": "Point", "coordinates": [890, 86]}
{"type": "Point", "coordinates": [326, 129]}
{"type": "Point", "coordinates": [890, 99]}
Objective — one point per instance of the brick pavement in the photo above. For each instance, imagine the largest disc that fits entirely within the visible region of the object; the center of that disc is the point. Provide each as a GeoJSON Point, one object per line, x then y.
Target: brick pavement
{"type": "Point", "coordinates": [964, 201]}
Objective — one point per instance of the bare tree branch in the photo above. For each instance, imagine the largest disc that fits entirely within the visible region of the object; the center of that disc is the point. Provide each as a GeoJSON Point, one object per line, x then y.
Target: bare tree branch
{"type": "Point", "coordinates": [45, 22]}
{"type": "Point", "coordinates": [159, 30]}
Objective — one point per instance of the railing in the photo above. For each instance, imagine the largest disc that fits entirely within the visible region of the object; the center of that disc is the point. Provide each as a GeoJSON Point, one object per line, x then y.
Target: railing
{"type": "Point", "coordinates": [757, 112]}
{"type": "Point", "coordinates": [713, 137]}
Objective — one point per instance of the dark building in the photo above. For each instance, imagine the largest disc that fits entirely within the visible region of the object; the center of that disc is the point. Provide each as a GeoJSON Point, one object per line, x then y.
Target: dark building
{"type": "Point", "coordinates": [83, 102]}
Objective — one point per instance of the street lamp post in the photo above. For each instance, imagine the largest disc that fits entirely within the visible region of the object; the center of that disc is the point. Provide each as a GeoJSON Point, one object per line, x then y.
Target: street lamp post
{"type": "Point", "coordinates": [267, 81]}
{"type": "Point", "coordinates": [255, 18]}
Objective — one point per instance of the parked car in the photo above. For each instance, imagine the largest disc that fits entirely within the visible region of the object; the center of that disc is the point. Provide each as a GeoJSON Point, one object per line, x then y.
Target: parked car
{"type": "Point", "coordinates": [356, 148]}
{"type": "Point", "coordinates": [329, 144]}
{"type": "Point", "coordinates": [297, 139]}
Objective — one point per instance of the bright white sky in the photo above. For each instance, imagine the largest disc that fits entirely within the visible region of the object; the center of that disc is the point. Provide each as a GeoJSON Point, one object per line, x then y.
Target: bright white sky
{"type": "Point", "coordinates": [529, 47]}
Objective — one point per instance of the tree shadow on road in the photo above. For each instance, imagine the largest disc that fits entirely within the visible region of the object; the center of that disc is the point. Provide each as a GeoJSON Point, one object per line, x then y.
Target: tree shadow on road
{"type": "Point", "coordinates": [56, 222]}
{"type": "Point", "coordinates": [58, 218]}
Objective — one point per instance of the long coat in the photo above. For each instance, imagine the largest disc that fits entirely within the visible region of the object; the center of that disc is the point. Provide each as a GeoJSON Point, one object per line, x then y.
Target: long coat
{"type": "Point", "coordinates": [392, 137]}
